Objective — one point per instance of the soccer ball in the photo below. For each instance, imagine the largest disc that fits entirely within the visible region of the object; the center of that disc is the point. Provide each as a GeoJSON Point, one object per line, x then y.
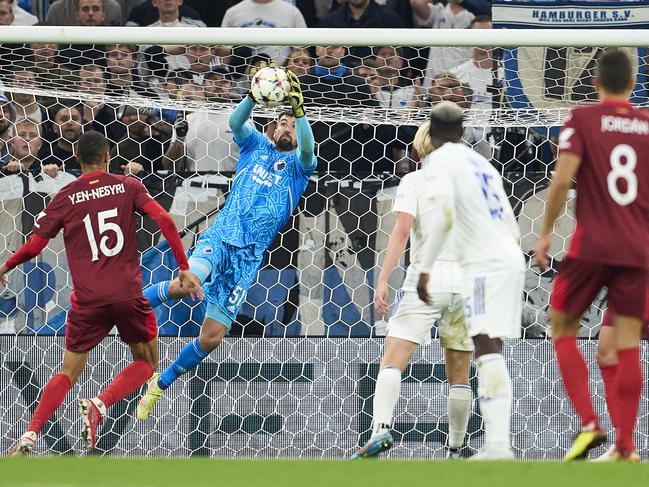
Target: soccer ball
{"type": "Point", "coordinates": [269, 86]}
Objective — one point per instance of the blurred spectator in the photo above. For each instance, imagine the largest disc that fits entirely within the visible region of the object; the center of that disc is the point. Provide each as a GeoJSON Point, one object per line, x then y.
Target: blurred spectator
{"type": "Point", "coordinates": [191, 92]}
{"type": "Point", "coordinates": [439, 16]}
{"type": "Point", "coordinates": [174, 81]}
{"type": "Point", "coordinates": [6, 13]}
{"type": "Point", "coordinates": [67, 126]}
{"type": "Point", "coordinates": [25, 104]}
{"type": "Point", "coordinates": [138, 152]}
{"type": "Point", "coordinates": [477, 72]}
{"type": "Point", "coordinates": [446, 87]}
{"type": "Point", "coordinates": [169, 13]}
{"type": "Point", "coordinates": [362, 14]}
{"type": "Point", "coordinates": [330, 81]}
{"type": "Point", "coordinates": [201, 59]}
{"type": "Point", "coordinates": [46, 63]}
{"type": "Point", "coordinates": [194, 61]}
{"type": "Point", "coordinates": [22, 16]}
{"type": "Point", "coordinates": [65, 12]}
{"type": "Point", "coordinates": [146, 13]}
{"type": "Point", "coordinates": [7, 120]}
{"type": "Point", "coordinates": [89, 13]}
{"type": "Point", "coordinates": [158, 60]}
{"type": "Point", "coordinates": [367, 70]}
{"type": "Point", "coordinates": [299, 61]}
{"type": "Point", "coordinates": [98, 116]}
{"type": "Point", "coordinates": [25, 147]}
{"type": "Point", "coordinates": [265, 13]}
{"type": "Point", "coordinates": [218, 85]}
{"type": "Point", "coordinates": [205, 143]}
{"type": "Point", "coordinates": [48, 70]}
{"type": "Point", "coordinates": [396, 91]}
{"type": "Point", "coordinates": [122, 73]}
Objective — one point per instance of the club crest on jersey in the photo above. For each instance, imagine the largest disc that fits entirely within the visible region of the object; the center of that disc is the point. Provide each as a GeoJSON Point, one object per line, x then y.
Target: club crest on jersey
{"type": "Point", "coordinates": [207, 250]}
{"type": "Point", "coordinates": [280, 165]}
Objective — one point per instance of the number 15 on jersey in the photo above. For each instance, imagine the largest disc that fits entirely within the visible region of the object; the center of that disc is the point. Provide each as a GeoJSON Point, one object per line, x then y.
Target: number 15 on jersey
{"type": "Point", "coordinates": [105, 228]}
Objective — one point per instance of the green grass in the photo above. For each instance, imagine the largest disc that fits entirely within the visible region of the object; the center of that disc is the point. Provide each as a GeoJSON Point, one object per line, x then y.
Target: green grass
{"type": "Point", "coordinates": [163, 472]}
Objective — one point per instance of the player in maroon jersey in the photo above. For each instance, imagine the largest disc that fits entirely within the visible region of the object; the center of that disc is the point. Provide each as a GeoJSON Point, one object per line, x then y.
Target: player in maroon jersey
{"type": "Point", "coordinates": [96, 213]}
{"type": "Point", "coordinates": [603, 147]}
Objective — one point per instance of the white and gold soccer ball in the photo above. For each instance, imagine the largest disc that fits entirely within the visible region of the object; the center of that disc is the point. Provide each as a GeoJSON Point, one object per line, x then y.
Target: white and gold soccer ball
{"type": "Point", "coordinates": [269, 86]}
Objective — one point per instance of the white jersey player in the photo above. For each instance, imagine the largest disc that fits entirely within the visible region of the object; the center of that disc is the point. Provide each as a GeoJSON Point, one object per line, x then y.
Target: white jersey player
{"type": "Point", "coordinates": [411, 322]}
{"type": "Point", "coordinates": [470, 202]}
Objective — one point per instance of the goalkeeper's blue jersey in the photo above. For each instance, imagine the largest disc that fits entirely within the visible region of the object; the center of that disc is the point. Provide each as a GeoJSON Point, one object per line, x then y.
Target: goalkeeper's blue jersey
{"type": "Point", "coordinates": [266, 189]}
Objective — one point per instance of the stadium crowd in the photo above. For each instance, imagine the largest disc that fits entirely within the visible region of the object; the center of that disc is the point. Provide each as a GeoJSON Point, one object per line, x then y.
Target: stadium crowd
{"type": "Point", "coordinates": [38, 132]}
{"type": "Point", "coordinates": [145, 139]}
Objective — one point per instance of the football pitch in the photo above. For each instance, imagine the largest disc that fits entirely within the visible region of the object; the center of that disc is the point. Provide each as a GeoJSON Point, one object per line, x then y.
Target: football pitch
{"type": "Point", "coordinates": [163, 472]}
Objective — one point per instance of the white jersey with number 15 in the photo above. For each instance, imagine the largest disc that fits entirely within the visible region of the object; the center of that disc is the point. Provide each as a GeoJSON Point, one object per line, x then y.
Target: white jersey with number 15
{"type": "Point", "coordinates": [485, 231]}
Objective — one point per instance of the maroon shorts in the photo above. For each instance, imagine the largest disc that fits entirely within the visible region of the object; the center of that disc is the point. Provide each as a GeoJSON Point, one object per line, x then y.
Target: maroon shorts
{"type": "Point", "coordinates": [578, 282]}
{"type": "Point", "coordinates": [135, 320]}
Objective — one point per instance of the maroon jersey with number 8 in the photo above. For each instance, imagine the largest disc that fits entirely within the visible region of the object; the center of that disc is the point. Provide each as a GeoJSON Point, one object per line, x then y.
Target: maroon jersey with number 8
{"type": "Point", "coordinates": [612, 139]}
{"type": "Point", "coordinates": [97, 215]}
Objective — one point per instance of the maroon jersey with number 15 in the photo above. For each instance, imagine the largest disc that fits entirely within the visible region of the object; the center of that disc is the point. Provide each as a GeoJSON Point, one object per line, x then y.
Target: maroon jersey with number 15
{"type": "Point", "coordinates": [97, 215]}
{"type": "Point", "coordinates": [612, 140]}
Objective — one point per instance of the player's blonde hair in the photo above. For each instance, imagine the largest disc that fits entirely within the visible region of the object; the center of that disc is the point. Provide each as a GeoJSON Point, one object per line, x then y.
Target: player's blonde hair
{"type": "Point", "coordinates": [422, 143]}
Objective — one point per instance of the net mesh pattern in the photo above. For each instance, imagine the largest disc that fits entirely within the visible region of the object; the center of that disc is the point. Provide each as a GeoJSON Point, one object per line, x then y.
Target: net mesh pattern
{"type": "Point", "coordinates": [297, 376]}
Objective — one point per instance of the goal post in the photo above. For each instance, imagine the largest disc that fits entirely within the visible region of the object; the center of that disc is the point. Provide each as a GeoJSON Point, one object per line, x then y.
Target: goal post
{"type": "Point", "coordinates": [296, 376]}
{"type": "Point", "coordinates": [327, 36]}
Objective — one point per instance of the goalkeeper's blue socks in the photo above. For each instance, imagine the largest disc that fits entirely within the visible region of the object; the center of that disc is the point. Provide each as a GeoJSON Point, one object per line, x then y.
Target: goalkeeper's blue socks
{"type": "Point", "coordinates": [188, 358]}
{"type": "Point", "coordinates": [157, 293]}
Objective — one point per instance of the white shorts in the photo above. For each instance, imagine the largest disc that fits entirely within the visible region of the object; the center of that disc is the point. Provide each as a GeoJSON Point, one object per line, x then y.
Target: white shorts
{"type": "Point", "coordinates": [494, 303]}
{"type": "Point", "coordinates": [413, 319]}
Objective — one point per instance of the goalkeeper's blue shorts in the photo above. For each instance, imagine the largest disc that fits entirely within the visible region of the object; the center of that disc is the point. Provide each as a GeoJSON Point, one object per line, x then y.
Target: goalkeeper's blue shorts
{"type": "Point", "coordinates": [227, 272]}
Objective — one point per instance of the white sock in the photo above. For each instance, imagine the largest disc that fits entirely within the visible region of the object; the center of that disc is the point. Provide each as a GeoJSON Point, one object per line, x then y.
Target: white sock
{"type": "Point", "coordinates": [459, 408]}
{"type": "Point", "coordinates": [386, 395]}
{"type": "Point", "coordinates": [495, 391]}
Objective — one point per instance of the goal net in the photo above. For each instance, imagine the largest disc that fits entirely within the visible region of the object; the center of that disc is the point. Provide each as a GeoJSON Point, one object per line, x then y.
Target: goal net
{"type": "Point", "coordinates": [296, 377]}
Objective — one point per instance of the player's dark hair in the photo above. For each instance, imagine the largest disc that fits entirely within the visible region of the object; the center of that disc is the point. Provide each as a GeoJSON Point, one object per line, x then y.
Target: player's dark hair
{"type": "Point", "coordinates": [615, 71]}
{"type": "Point", "coordinates": [446, 123]}
{"type": "Point", "coordinates": [285, 113]}
{"type": "Point", "coordinates": [91, 148]}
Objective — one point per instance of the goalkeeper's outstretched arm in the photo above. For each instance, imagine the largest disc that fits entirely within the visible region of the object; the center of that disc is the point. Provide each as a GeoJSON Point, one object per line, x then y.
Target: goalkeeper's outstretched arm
{"type": "Point", "coordinates": [241, 130]}
{"type": "Point", "coordinates": [303, 132]}
{"type": "Point", "coordinates": [305, 142]}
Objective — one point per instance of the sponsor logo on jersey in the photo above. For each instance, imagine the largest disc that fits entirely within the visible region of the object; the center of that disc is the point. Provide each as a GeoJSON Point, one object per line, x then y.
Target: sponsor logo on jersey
{"type": "Point", "coordinates": [261, 175]}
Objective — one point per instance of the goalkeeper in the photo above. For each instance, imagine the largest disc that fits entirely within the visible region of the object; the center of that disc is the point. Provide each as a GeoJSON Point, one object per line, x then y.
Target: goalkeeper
{"type": "Point", "coordinates": [269, 180]}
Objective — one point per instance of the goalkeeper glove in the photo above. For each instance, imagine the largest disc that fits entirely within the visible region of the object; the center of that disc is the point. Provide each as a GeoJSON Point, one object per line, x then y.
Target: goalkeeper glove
{"type": "Point", "coordinates": [295, 96]}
